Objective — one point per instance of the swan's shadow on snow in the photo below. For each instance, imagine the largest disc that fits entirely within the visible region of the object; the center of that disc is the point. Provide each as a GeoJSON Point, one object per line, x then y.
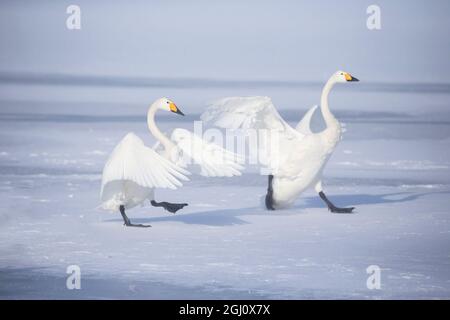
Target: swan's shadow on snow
{"type": "Point", "coordinates": [364, 199]}
{"type": "Point", "coordinates": [230, 217]}
{"type": "Point", "coordinates": [220, 217]}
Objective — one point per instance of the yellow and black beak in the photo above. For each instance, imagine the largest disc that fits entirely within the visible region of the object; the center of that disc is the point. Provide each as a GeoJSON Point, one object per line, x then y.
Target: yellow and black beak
{"type": "Point", "coordinates": [175, 109]}
{"type": "Point", "coordinates": [349, 77]}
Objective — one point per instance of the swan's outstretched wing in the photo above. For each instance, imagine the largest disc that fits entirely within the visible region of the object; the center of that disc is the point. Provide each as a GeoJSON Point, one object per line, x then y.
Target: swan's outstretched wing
{"type": "Point", "coordinates": [213, 160]}
{"type": "Point", "coordinates": [304, 126]}
{"type": "Point", "coordinates": [257, 117]}
{"type": "Point", "coordinates": [247, 113]}
{"type": "Point", "coordinates": [131, 160]}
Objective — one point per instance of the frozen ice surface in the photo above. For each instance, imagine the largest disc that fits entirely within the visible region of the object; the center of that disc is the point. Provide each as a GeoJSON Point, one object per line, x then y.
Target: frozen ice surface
{"type": "Point", "coordinates": [393, 165]}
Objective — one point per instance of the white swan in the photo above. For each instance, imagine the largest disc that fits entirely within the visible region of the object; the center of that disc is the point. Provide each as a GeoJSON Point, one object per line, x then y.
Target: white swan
{"type": "Point", "coordinates": [133, 170]}
{"type": "Point", "coordinates": [296, 157]}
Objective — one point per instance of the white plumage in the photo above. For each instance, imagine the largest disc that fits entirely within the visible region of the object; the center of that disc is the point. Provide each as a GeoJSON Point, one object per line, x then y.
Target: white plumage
{"type": "Point", "coordinates": [275, 136]}
{"type": "Point", "coordinates": [134, 170]}
{"type": "Point", "coordinates": [295, 157]}
{"type": "Point", "coordinates": [214, 161]}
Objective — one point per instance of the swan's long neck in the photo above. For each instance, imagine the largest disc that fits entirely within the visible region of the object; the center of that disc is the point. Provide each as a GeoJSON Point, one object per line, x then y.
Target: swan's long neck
{"type": "Point", "coordinates": [329, 118]}
{"type": "Point", "coordinates": [168, 145]}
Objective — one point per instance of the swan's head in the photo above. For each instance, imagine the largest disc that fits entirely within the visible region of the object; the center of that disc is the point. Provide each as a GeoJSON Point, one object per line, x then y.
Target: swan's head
{"type": "Point", "coordinates": [168, 105]}
{"type": "Point", "coordinates": [342, 76]}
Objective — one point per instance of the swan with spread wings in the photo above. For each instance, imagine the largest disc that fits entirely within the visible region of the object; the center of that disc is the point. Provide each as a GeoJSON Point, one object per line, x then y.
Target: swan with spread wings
{"type": "Point", "coordinates": [133, 170]}
{"type": "Point", "coordinates": [295, 157]}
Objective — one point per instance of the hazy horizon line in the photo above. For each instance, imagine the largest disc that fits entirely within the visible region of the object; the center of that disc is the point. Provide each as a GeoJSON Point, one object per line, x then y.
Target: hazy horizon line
{"type": "Point", "coordinates": [71, 79]}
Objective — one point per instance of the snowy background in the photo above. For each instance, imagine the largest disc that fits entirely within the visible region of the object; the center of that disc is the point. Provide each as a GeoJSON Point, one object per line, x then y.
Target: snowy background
{"type": "Point", "coordinates": [67, 97]}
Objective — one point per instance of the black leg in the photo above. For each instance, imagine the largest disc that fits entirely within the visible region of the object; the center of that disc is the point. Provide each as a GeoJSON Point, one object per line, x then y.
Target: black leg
{"type": "Point", "coordinates": [269, 195]}
{"type": "Point", "coordinates": [127, 221]}
{"type": "Point", "coordinates": [332, 207]}
{"type": "Point", "coordinates": [171, 207]}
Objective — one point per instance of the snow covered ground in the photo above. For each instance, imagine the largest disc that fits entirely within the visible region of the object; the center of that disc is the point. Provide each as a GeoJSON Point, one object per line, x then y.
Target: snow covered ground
{"type": "Point", "coordinates": [393, 165]}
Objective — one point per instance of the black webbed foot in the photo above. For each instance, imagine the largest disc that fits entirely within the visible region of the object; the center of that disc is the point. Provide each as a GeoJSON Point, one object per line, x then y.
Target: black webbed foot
{"type": "Point", "coordinates": [332, 207]}
{"type": "Point", "coordinates": [127, 222]}
{"type": "Point", "coordinates": [341, 210]}
{"type": "Point", "coordinates": [171, 207]}
{"type": "Point", "coordinates": [137, 225]}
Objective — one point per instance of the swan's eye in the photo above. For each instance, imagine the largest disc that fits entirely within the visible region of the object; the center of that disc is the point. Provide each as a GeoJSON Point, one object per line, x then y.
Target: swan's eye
{"type": "Point", "coordinates": [167, 102]}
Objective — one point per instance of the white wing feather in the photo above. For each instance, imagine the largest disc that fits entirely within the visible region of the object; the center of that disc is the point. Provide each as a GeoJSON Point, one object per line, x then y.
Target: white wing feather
{"type": "Point", "coordinates": [132, 160]}
{"type": "Point", "coordinates": [304, 126]}
{"type": "Point", "coordinates": [213, 160]}
{"type": "Point", "coordinates": [258, 114]}
{"type": "Point", "coordinates": [247, 113]}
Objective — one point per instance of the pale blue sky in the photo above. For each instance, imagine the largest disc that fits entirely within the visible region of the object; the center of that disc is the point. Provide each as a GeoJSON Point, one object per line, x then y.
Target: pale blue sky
{"type": "Point", "coordinates": [279, 40]}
